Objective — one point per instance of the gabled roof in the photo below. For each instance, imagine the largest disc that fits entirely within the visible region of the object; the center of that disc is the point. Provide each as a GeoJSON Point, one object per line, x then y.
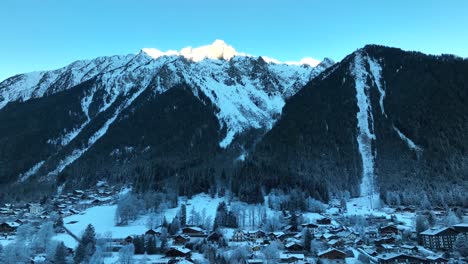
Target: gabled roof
{"type": "Point", "coordinates": [290, 244]}
{"type": "Point", "coordinates": [436, 258]}
{"type": "Point", "coordinates": [436, 231]}
{"type": "Point", "coordinates": [389, 256]}
{"type": "Point", "coordinates": [181, 249]}
{"type": "Point", "coordinates": [330, 250]}
{"type": "Point", "coordinates": [290, 255]}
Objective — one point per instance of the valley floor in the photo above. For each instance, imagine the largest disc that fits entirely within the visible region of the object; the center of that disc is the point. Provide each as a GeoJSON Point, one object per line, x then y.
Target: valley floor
{"type": "Point", "coordinates": [361, 231]}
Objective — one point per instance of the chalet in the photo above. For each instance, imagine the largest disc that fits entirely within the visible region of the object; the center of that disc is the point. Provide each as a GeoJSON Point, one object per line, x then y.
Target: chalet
{"type": "Point", "coordinates": [181, 239]}
{"type": "Point", "coordinates": [178, 252]}
{"type": "Point", "coordinates": [372, 233]}
{"type": "Point", "coordinates": [358, 242]}
{"type": "Point", "coordinates": [34, 208]}
{"type": "Point", "coordinates": [291, 229]}
{"type": "Point", "coordinates": [277, 235]}
{"type": "Point", "coordinates": [8, 227]}
{"type": "Point", "coordinates": [309, 225]}
{"type": "Point", "coordinates": [293, 247]}
{"type": "Point", "coordinates": [193, 231]}
{"type": "Point", "coordinates": [152, 232]}
{"type": "Point", "coordinates": [384, 240]}
{"type": "Point", "coordinates": [257, 234]}
{"type": "Point", "coordinates": [410, 249]}
{"type": "Point", "coordinates": [214, 237]}
{"type": "Point", "coordinates": [336, 230]}
{"type": "Point", "coordinates": [347, 235]}
{"type": "Point", "coordinates": [389, 230]}
{"type": "Point", "coordinates": [400, 258]}
{"type": "Point", "coordinates": [437, 260]}
{"type": "Point", "coordinates": [371, 252]}
{"type": "Point", "coordinates": [332, 255]}
{"type": "Point", "coordinates": [128, 240]}
{"type": "Point", "coordinates": [329, 236]}
{"type": "Point", "coordinates": [406, 209]}
{"type": "Point", "coordinates": [336, 243]}
{"type": "Point", "coordinates": [291, 258]}
{"type": "Point", "coordinates": [387, 248]}
{"type": "Point", "coordinates": [324, 221]}
{"type": "Point", "coordinates": [238, 236]}
{"type": "Point", "coordinates": [439, 238]}
{"type": "Point", "coordinates": [298, 236]}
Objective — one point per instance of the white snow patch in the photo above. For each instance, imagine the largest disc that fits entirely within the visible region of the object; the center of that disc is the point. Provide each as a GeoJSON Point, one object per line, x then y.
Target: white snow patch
{"type": "Point", "coordinates": [376, 71]}
{"type": "Point", "coordinates": [408, 141]}
{"type": "Point", "coordinates": [103, 217]}
{"type": "Point", "coordinates": [68, 240]}
{"type": "Point", "coordinates": [365, 125]}
{"type": "Point", "coordinates": [24, 176]}
{"type": "Point", "coordinates": [365, 205]}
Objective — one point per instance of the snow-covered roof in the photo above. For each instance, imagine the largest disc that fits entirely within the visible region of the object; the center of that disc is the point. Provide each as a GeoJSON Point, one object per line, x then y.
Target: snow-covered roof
{"type": "Point", "coordinates": [388, 256]}
{"type": "Point", "coordinates": [329, 250]}
{"type": "Point", "coordinates": [182, 249]}
{"type": "Point", "coordinates": [289, 255]}
{"type": "Point", "coordinates": [12, 224]}
{"type": "Point", "coordinates": [387, 246]}
{"type": "Point", "coordinates": [434, 257]}
{"type": "Point", "coordinates": [434, 231]}
{"type": "Point", "coordinates": [195, 228]}
{"type": "Point", "coordinates": [290, 244]}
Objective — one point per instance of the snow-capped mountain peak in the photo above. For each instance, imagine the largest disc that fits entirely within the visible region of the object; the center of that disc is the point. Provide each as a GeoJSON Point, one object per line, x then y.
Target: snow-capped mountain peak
{"type": "Point", "coordinates": [221, 50]}
{"type": "Point", "coordinates": [217, 50]}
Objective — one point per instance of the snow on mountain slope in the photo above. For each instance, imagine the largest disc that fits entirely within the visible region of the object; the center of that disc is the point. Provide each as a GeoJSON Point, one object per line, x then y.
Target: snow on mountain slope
{"type": "Point", "coordinates": [23, 87]}
{"type": "Point", "coordinates": [365, 123]}
{"type": "Point", "coordinates": [248, 91]}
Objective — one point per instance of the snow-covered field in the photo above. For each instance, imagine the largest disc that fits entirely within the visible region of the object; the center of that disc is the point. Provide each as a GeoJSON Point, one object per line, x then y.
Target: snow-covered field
{"type": "Point", "coordinates": [365, 205]}
{"type": "Point", "coordinates": [102, 218]}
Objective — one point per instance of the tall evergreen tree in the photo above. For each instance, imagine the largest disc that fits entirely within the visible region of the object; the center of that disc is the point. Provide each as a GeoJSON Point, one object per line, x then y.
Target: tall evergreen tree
{"type": "Point", "coordinates": [87, 245]}
{"type": "Point", "coordinates": [150, 246]}
{"type": "Point", "coordinates": [183, 215]}
{"type": "Point", "coordinates": [139, 243]}
{"type": "Point", "coordinates": [59, 257]}
{"type": "Point", "coordinates": [307, 237]}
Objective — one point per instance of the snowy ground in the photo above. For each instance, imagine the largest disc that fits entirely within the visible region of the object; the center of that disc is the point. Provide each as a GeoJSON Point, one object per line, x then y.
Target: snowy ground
{"type": "Point", "coordinates": [366, 205]}
{"type": "Point", "coordinates": [102, 218]}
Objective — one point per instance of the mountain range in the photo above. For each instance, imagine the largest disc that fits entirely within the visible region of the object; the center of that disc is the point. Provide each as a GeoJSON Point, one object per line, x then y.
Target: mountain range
{"type": "Point", "coordinates": [212, 119]}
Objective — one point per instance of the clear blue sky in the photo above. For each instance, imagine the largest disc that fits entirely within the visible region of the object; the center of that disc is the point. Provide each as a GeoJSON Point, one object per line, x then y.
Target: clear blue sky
{"type": "Point", "coordinates": [48, 34]}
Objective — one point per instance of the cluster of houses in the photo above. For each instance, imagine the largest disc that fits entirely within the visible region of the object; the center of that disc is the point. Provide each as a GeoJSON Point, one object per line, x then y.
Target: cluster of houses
{"type": "Point", "coordinates": [12, 216]}
{"type": "Point", "coordinates": [383, 244]}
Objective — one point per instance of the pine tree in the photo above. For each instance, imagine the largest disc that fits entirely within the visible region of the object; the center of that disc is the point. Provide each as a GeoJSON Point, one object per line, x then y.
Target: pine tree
{"type": "Point", "coordinates": [307, 237]}
{"type": "Point", "coordinates": [431, 219]}
{"type": "Point", "coordinates": [59, 257]}
{"type": "Point", "coordinates": [165, 223]}
{"type": "Point", "coordinates": [175, 226]}
{"type": "Point", "coordinates": [293, 221]}
{"type": "Point", "coordinates": [421, 225]}
{"type": "Point", "coordinates": [183, 215]}
{"type": "Point", "coordinates": [150, 246]}
{"type": "Point", "coordinates": [87, 245]}
{"type": "Point", "coordinates": [139, 243]}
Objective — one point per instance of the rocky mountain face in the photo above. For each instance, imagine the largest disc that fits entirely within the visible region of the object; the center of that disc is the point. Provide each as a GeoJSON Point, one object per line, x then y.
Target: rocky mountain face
{"type": "Point", "coordinates": [381, 121]}
{"type": "Point", "coordinates": [143, 118]}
